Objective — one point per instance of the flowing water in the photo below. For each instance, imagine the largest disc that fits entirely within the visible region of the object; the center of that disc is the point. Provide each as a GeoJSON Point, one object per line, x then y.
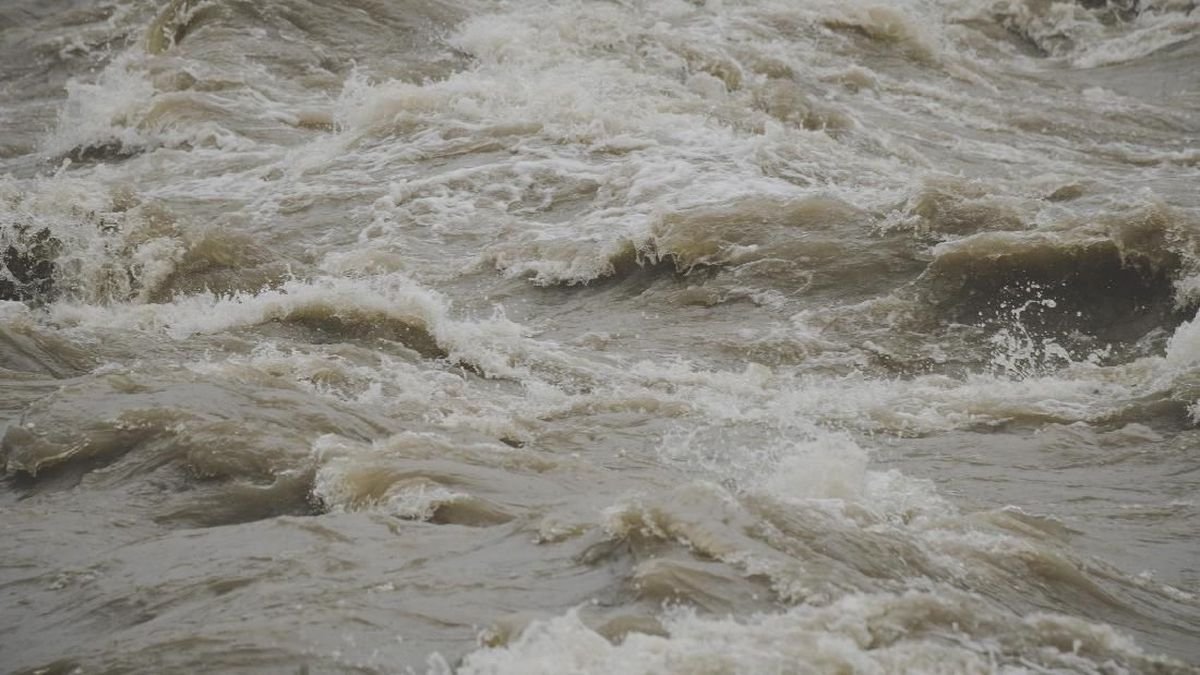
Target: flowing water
{"type": "Point", "coordinates": [540, 336]}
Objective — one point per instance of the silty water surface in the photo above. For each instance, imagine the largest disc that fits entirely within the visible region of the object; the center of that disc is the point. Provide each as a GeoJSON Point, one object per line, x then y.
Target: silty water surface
{"type": "Point", "coordinates": [603, 337]}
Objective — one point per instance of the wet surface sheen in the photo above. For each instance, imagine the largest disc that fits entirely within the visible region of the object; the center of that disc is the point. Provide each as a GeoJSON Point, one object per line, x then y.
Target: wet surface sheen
{"type": "Point", "coordinates": [608, 337]}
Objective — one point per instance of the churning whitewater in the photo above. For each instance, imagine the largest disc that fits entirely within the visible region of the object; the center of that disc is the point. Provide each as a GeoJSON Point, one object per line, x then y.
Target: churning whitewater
{"type": "Point", "coordinates": [600, 336]}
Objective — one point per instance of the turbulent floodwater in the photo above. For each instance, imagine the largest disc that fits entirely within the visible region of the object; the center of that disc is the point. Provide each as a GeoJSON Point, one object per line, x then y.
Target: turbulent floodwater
{"type": "Point", "coordinates": [528, 336]}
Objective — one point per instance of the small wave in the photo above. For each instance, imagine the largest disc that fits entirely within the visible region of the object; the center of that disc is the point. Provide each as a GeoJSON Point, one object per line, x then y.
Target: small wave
{"type": "Point", "coordinates": [951, 206]}
{"type": "Point", "coordinates": [176, 20]}
{"type": "Point", "coordinates": [939, 630]}
{"type": "Point", "coordinates": [1092, 33]}
{"type": "Point", "coordinates": [26, 348]}
{"type": "Point", "coordinates": [718, 553]}
{"type": "Point", "coordinates": [1055, 284]}
{"type": "Point", "coordinates": [888, 26]}
{"type": "Point", "coordinates": [1111, 289]}
{"type": "Point", "coordinates": [420, 477]}
{"type": "Point", "coordinates": [391, 307]}
{"type": "Point", "coordinates": [76, 239]}
{"type": "Point", "coordinates": [124, 113]}
{"type": "Point", "coordinates": [796, 245]}
{"type": "Point", "coordinates": [79, 241]}
{"type": "Point", "coordinates": [221, 452]}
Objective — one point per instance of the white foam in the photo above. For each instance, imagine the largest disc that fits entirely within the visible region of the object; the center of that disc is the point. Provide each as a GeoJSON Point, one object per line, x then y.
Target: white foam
{"type": "Point", "coordinates": [1183, 349]}
{"type": "Point", "coordinates": [595, 120]}
{"type": "Point", "coordinates": [122, 108]}
{"type": "Point", "coordinates": [104, 111]}
{"type": "Point", "coordinates": [13, 312]}
{"type": "Point", "coordinates": [108, 251]}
